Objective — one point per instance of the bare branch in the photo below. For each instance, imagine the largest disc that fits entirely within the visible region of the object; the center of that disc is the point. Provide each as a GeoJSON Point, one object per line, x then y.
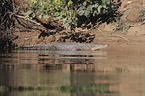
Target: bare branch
{"type": "Point", "coordinates": [28, 19]}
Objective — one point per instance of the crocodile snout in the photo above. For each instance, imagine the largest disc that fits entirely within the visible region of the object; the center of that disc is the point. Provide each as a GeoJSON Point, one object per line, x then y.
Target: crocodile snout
{"type": "Point", "coordinates": [99, 46]}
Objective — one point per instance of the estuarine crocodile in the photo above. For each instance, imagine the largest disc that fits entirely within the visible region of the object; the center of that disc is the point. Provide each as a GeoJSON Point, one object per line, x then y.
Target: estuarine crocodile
{"type": "Point", "coordinates": [66, 46]}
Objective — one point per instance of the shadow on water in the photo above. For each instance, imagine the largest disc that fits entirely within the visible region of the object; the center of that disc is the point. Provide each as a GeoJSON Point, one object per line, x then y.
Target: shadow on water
{"type": "Point", "coordinates": [69, 73]}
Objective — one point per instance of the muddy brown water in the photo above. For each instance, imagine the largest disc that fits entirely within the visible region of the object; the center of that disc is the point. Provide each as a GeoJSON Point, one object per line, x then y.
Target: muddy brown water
{"type": "Point", "coordinates": [118, 70]}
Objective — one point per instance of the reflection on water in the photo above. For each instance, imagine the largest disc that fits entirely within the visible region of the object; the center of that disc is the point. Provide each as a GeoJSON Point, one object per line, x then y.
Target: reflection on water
{"type": "Point", "coordinates": [69, 73]}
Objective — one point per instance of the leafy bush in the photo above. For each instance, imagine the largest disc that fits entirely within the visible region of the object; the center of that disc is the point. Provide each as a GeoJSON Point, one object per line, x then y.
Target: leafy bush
{"type": "Point", "coordinates": [69, 11]}
{"type": "Point", "coordinates": [96, 7]}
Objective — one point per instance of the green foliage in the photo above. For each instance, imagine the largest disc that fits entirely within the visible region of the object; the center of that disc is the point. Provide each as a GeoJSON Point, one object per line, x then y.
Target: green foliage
{"type": "Point", "coordinates": [67, 11]}
{"type": "Point", "coordinates": [95, 8]}
{"type": "Point", "coordinates": [49, 8]}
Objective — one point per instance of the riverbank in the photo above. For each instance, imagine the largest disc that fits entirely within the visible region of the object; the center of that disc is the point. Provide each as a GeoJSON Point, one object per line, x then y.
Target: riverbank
{"type": "Point", "coordinates": [129, 29]}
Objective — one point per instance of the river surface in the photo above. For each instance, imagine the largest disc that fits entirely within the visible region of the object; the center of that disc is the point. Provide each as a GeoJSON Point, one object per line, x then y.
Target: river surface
{"type": "Point", "coordinates": [118, 70]}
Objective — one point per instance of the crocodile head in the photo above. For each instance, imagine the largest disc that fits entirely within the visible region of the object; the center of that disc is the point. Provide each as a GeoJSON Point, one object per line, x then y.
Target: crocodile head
{"type": "Point", "coordinates": [98, 46]}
